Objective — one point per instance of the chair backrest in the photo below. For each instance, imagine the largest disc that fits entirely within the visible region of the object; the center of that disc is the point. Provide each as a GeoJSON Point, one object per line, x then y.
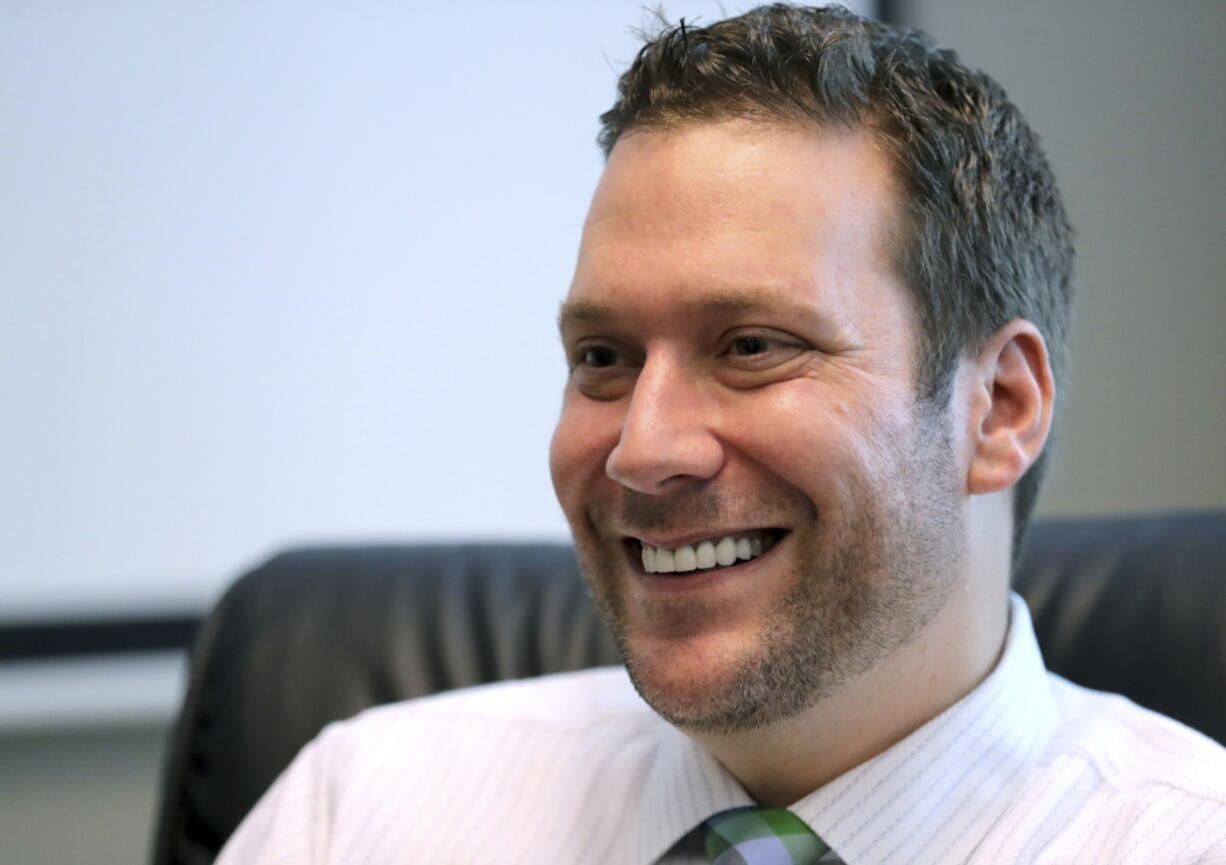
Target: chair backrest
{"type": "Point", "coordinates": [1132, 605]}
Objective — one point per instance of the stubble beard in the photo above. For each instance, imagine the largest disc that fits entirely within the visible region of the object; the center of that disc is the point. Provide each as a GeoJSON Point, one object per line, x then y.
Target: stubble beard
{"type": "Point", "coordinates": [868, 586]}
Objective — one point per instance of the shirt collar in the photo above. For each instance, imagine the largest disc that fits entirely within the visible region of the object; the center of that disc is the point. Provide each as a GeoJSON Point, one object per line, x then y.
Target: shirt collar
{"type": "Point", "coordinates": [939, 789]}
{"type": "Point", "coordinates": [685, 786]}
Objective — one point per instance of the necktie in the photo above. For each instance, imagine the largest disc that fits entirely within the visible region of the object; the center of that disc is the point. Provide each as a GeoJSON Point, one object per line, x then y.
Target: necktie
{"type": "Point", "coordinates": [761, 836]}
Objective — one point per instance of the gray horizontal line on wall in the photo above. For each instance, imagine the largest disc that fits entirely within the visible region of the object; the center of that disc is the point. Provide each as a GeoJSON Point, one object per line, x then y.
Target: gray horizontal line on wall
{"type": "Point", "coordinates": [36, 640]}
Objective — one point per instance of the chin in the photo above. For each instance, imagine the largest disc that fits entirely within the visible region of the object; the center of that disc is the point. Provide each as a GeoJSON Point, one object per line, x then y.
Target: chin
{"type": "Point", "coordinates": [703, 664]}
{"type": "Point", "coordinates": [706, 700]}
{"type": "Point", "coordinates": [714, 683]}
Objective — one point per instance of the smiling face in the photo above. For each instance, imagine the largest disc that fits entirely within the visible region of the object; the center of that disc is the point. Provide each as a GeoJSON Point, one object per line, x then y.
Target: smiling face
{"type": "Point", "coordinates": [761, 506]}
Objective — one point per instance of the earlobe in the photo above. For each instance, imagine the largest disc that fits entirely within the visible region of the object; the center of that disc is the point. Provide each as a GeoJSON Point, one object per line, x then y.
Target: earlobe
{"type": "Point", "coordinates": [1012, 410]}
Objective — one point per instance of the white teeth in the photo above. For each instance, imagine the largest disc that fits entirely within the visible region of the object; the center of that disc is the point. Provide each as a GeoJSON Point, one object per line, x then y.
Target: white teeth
{"type": "Point", "coordinates": [705, 555]}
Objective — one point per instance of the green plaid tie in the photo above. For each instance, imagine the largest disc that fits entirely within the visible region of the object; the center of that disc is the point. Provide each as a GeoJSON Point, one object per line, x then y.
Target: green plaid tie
{"type": "Point", "coordinates": [761, 836]}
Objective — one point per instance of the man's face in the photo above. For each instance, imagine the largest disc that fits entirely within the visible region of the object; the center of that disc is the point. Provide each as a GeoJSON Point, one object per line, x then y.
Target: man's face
{"type": "Point", "coordinates": [741, 394]}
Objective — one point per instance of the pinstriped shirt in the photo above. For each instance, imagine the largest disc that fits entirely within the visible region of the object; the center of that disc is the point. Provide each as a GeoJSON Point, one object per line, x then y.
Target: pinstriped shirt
{"type": "Point", "coordinates": [576, 770]}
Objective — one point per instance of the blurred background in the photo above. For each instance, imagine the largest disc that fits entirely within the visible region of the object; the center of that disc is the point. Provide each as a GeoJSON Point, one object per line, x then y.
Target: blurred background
{"type": "Point", "coordinates": [286, 272]}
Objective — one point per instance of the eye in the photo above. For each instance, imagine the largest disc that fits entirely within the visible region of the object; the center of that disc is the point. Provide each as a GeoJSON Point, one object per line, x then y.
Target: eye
{"type": "Point", "coordinates": [601, 370]}
{"type": "Point", "coordinates": [761, 349]}
{"type": "Point", "coordinates": [749, 345]}
{"type": "Point", "coordinates": [598, 357]}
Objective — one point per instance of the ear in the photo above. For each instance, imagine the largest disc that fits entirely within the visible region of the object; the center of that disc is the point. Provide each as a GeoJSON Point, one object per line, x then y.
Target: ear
{"type": "Point", "coordinates": [1010, 407]}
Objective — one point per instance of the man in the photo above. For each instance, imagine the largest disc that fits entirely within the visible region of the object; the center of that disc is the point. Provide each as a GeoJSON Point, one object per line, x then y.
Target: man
{"type": "Point", "coordinates": [814, 340]}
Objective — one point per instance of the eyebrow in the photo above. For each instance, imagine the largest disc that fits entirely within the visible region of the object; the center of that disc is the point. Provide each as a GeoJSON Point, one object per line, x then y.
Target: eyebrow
{"type": "Point", "coordinates": [588, 312]}
{"type": "Point", "coordinates": [575, 312]}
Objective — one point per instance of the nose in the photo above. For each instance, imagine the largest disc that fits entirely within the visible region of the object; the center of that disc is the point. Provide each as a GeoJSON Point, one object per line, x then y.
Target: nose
{"type": "Point", "coordinates": [667, 437]}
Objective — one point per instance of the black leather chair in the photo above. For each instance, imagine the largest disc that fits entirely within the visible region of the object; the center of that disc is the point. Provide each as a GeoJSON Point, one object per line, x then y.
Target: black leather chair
{"type": "Point", "coordinates": [1133, 605]}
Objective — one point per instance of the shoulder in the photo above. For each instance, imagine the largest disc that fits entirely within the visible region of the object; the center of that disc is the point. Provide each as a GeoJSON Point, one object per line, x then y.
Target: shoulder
{"type": "Point", "coordinates": [1137, 786]}
{"type": "Point", "coordinates": [529, 752]}
{"type": "Point", "coordinates": [554, 718]}
{"type": "Point", "coordinates": [551, 757]}
{"type": "Point", "coordinates": [1134, 747]}
{"type": "Point", "coordinates": [565, 702]}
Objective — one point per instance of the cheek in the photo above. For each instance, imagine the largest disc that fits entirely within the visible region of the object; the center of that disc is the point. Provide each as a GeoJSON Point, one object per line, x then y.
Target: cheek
{"type": "Point", "coordinates": [816, 440]}
{"type": "Point", "coordinates": [582, 441]}
{"type": "Point", "coordinates": [786, 428]}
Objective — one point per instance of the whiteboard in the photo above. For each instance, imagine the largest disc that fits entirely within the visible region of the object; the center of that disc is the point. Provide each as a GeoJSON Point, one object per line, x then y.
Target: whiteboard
{"type": "Point", "coordinates": [283, 272]}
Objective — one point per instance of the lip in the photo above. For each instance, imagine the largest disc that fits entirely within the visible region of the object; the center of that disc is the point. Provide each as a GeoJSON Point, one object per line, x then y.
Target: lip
{"type": "Point", "coordinates": [717, 534]}
{"type": "Point", "coordinates": [696, 580]}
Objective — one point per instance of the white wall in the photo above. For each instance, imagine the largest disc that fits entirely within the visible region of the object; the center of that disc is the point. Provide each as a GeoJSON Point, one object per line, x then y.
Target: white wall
{"type": "Point", "coordinates": [283, 271]}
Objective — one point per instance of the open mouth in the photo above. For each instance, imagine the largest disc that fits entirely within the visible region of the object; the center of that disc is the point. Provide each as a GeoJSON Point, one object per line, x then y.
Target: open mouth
{"type": "Point", "coordinates": [726, 551]}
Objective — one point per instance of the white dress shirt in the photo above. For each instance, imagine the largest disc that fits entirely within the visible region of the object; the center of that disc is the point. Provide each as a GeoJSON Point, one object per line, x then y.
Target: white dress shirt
{"type": "Point", "coordinates": [576, 769]}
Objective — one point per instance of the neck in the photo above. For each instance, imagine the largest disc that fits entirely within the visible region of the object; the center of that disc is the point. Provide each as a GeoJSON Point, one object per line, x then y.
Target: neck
{"type": "Point", "coordinates": [787, 760]}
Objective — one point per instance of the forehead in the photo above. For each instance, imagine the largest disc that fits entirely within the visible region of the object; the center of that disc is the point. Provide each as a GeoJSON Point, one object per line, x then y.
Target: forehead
{"type": "Point", "coordinates": [724, 215]}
